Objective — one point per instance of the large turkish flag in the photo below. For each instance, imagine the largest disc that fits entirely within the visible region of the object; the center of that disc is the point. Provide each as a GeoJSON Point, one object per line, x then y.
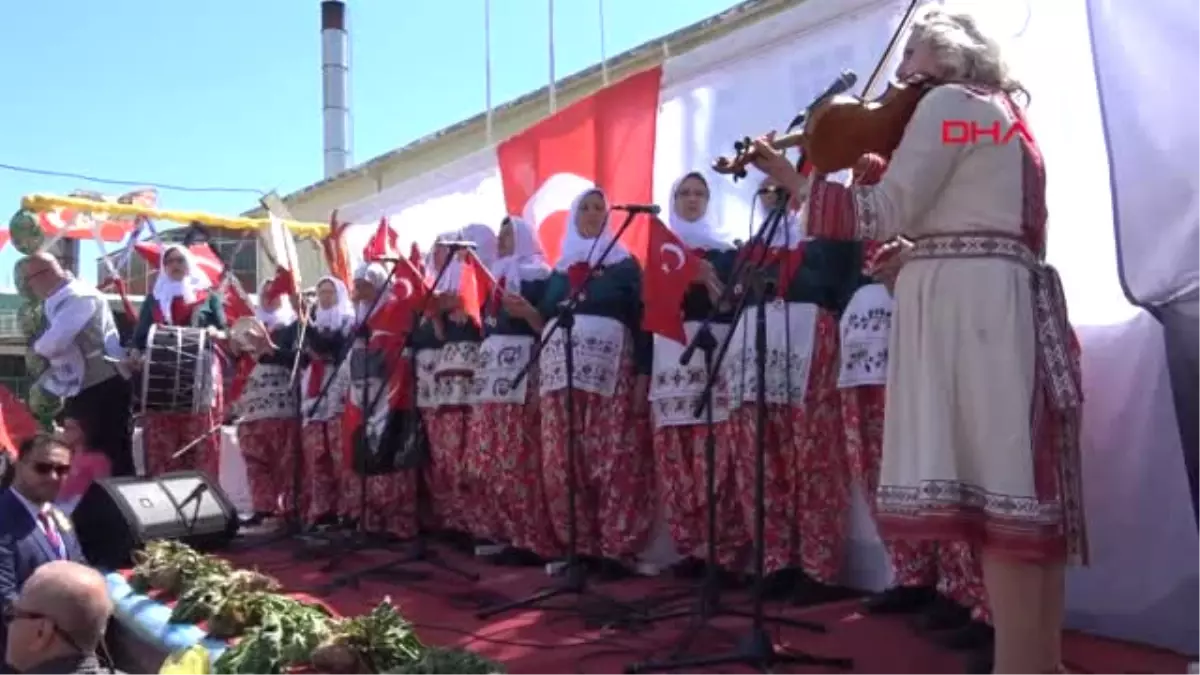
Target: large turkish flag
{"type": "Point", "coordinates": [605, 140]}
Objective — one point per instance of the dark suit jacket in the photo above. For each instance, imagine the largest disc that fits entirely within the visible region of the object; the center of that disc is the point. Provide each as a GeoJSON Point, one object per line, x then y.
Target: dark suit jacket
{"type": "Point", "coordinates": [24, 548]}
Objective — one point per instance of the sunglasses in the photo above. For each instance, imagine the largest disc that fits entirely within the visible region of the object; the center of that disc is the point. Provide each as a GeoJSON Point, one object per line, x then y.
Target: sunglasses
{"type": "Point", "coordinates": [48, 468]}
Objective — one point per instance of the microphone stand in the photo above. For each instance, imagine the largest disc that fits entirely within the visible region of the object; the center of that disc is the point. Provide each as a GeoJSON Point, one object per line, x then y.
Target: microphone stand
{"type": "Point", "coordinates": [574, 580]}
{"type": "Point", "coordinates": [756, 648]}
{"type": "Point", "coordinates": [420, 550]}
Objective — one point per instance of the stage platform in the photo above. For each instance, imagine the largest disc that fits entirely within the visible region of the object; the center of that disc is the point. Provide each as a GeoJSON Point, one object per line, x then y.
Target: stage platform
{"type": "Point", "coordinates": [442, 608]}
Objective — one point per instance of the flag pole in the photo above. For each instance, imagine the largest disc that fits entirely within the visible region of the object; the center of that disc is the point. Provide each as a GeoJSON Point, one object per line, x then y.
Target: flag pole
{"type": "Point", "coordinates": [553, 97]}
{"type": "Point", "coordinates": [487, 68]}
{"type": "Point", "coordinates": [603, 51]}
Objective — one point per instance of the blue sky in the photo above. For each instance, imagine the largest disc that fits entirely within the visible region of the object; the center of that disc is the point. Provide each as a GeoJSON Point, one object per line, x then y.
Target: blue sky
{"type": "Point", "coordinates": [227, 93]}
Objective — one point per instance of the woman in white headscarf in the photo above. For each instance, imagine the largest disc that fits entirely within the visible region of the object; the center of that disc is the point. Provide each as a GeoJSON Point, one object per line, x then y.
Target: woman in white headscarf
{"type": "Point", "coordinates": [679, 437]}
{"type": "Point", "coordinates": [447, 417]}
{"type": "Point", "coordinates": [381, 388]}
{"type": "Point", "coordinates": [267, 428]}
{"type": "Point", "coordinates": [331, 485]}
{"type": "Point", "coordinates": [610, 379]}
{"type": "Point", "coordinates": [182, 296]}
{"type": "Point", "coordinates": [503, 452]}
{"type": "Point", "coordinates": [807, 474]}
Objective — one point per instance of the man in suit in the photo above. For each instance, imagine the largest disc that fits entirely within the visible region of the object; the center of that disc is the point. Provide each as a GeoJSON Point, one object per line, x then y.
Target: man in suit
{"type": "Point", "coordinates": [57, 623]}
{"type": "Point", "coordinates": [32, 531]}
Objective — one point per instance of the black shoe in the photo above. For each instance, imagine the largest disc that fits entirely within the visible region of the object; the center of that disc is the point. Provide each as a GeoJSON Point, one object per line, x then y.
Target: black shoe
{"type": "Point", "coordinates": [899, 600]}
{"type": "Point", "coordinates": [976, 635]}
{"type": "Point", "coordinates": [980, 661]}
{"type": "Point", "coordinates": [942, 614]}
{"type": "Point", "coordinates": [688, 568]}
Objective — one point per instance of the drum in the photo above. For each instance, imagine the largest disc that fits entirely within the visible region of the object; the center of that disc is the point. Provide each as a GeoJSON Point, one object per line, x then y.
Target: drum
{"type": "Point", "coordinates": [177, 375]}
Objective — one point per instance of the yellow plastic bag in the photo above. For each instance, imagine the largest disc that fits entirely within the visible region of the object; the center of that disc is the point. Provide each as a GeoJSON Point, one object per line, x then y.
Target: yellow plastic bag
{"type": "Point", "coordinates": [191, 661]}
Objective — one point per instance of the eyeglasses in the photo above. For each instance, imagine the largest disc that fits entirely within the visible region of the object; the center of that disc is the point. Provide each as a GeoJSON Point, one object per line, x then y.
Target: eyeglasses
{"type": "Point", "coordinates": [13, 613]}
{"type": "Point", "coordinates": [48, 468]}
{"type": "Point", "coordinates": [171, 260]}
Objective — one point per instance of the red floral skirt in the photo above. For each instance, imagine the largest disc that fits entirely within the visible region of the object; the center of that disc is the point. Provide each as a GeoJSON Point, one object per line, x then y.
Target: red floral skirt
{"type": "Point", "coordinates": [447, 430]}
{"type": "Point", "coordinates": [268, 446]}
{"type": "Point", "coordinates": [681, 467]}
{"type": "Point", "coordinates": [614, 470]}
{"type": "Point", "coordinates": [807, 482]}
{"type": "Point", "coordinates": [504, 477]}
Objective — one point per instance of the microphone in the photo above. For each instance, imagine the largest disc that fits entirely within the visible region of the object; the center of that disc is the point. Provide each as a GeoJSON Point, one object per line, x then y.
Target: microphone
{"type": "Point", "coordinates": [840, 86]}
{"type": "Point", "coordinates": [652, 209]}
{"type": "Point", "coordinates": [456, 243]}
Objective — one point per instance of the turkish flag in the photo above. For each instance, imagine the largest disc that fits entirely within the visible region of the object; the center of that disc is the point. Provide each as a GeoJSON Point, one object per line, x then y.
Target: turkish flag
{"type": "Point", "coordinates": [668, 269]}
{"type": "Point", "coordinates": [605, 140]}
{"type": "Point", "coordinates": [474, 288]}
{"type": "Point", "coordinates": [383, 244]}
{"type": "Point", "coordinates": [17, 423]}
{"type": "Point", "coordinates": [409, 289]}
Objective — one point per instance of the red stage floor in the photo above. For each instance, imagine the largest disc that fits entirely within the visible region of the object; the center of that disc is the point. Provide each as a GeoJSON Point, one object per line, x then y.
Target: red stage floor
{"type": "Point", "coordinates": [442, 607]}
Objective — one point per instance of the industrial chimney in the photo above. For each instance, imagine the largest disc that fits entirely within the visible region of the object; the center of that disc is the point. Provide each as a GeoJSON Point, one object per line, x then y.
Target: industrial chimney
{"type": "Point", "coordinates": [335, 71]}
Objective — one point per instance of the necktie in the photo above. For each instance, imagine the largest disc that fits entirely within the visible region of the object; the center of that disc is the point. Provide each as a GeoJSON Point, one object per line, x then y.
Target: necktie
{"type": "Point", "coordinates": [51, 532]}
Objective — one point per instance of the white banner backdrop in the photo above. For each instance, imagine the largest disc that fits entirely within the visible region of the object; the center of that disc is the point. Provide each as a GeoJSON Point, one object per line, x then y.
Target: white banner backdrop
{"type": "Point", "coordinates": [1145, 63]}
{"type": "Point", "coordinates": [465, 191]}
{"type": "Point", "coordinates": [757, 79]}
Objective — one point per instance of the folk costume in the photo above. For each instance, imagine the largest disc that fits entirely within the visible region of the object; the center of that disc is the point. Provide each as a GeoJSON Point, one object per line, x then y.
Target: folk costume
{"type": "Point", "coordinates": [80, 343]}
{"type": "Point", "coordinates": [376, 405]}
{"type": "Point", "coordinates": [918, 567]}
{"type": "Point", "coordinates": [268, 426]}
{"type": "Point", "coordinates": [614, 469]}
{"type": "Point", "coordinates": [680, 437]}
{"type": "Point", "coordinates": [448, 418]}
{"type": "Point", "coordinates": [807, 485]}
{"type": "Point", "coordinates": [503, 453]}
{"type": "Point", "coordinates": [192, 302]}
{"type": "Point", "coordinates": [981, 435]}
{"type": "Point", "coordinates": [331, 483]}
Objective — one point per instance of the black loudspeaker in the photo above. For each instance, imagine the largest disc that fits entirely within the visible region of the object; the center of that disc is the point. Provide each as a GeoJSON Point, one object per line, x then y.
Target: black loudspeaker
{"type": "Point", "coordinates": [117, 516]}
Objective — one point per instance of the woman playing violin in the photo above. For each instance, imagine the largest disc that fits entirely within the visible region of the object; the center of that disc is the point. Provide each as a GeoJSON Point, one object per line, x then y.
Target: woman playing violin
{"type": "Point", "coordinates": [981, 435]}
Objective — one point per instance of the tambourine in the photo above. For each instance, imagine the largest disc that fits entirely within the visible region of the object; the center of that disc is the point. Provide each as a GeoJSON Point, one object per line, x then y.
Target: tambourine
{"type": "Point", "coordinates": [248, 333]}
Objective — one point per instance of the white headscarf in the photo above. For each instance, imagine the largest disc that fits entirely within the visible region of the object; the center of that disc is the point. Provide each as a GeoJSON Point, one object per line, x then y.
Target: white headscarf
{"type": "Point", "coordinates": [575, 248]}
{"type": "Point", "coordinates": [339, 317]}
{"type": "Point", "coordinates": [167, 289]}
{"type": "Point", "coordinates": [376, 275]}
{"type": "Point", "coordinates": [789, 233]}
{"type": "Point", "coordinates": [485, 240]}
{"type": "Point", "coordinates": [283, 315]}
{"type": "Point", "coordinates": [485, 249]}
{"type": "Point", "coordinates": [701, 233]}
{"type": "Point", "coordinates": [527, 261]}
{"type": "Point", "coordinates": [448, 280]}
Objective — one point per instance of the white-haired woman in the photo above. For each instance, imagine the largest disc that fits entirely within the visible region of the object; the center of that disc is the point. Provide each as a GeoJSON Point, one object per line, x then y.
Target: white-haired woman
{"type": "Point", "coordinates": [504, 451]}
{"type": "Point", "coordinates": [981, 435]}
{"type": "Point", "coordinates": [268, 428]}
{"type": "Point", "coordinates": [614, 476]}
{"type": "Point", "coordinates": [182, 296]}
{"type": "Point", "coordinates": [377, 409]}
{"type": "Point", "coordinates": [679, 437]}
{"type": "Point", "coordinates": [332, 486]}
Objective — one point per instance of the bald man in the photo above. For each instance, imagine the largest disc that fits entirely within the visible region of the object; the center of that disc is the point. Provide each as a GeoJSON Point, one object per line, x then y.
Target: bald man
{"type": "Point", "coordinates": [81, 343]}
{"type": "Point", "coordinates": [57, 623]}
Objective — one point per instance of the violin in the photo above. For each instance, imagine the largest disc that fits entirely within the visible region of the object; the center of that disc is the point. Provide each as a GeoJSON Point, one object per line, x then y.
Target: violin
{"type": "Point", "coordinates": [840, 129]}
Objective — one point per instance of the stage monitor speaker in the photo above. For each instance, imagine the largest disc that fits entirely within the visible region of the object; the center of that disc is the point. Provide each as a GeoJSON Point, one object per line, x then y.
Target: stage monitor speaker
{"type": "Point", "coordinates": [117, 516]}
